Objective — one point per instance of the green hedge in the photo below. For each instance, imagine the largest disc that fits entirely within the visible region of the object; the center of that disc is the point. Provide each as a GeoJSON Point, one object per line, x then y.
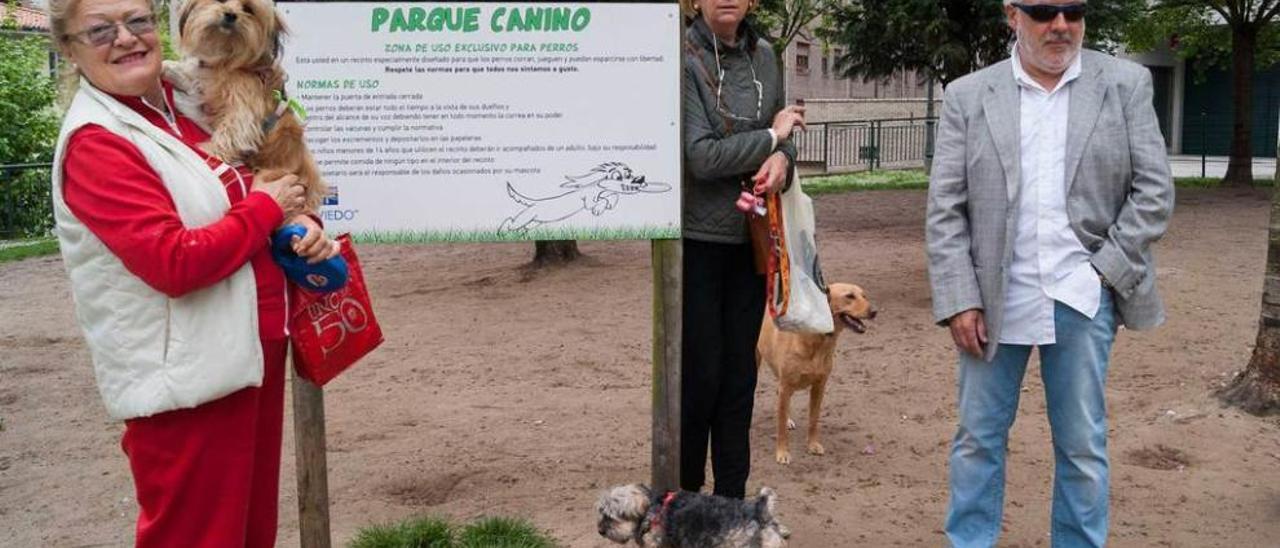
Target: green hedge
{"type": "Point", "coordinates": [25, 208]}
{"type": "Point", "coordinates": [28, 129]}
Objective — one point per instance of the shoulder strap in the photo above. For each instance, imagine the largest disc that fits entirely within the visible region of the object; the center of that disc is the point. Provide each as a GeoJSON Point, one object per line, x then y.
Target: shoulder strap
{"type": "Point", "coordinates": [695, 54]}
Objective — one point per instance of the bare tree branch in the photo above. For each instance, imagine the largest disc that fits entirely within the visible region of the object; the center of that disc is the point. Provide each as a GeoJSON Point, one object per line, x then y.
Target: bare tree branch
{"type": "Point", "coordinates": [1270, 13]}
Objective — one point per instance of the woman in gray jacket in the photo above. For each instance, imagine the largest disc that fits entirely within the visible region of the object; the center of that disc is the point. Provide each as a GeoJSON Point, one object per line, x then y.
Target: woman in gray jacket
{"type": "Point", "coordinates": [736, 138]}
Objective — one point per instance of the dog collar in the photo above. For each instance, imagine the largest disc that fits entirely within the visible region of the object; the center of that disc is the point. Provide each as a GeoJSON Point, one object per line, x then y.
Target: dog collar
{"type": "Point", "coordinates": [284, 104]}
{"type": "Point", "coordinates": [656, 523]}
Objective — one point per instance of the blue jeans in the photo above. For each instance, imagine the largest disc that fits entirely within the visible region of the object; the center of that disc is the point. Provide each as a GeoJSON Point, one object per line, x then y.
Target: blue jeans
{"type": "Point", "coordinates": [1074, 370]}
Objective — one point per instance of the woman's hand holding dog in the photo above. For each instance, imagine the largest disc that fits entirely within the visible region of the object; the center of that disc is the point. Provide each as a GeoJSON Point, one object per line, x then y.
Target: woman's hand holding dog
{"type": "Point", "coordinates": [291, 194]}
{"type": "Point", "coordinates": [315, 246]}
{"type": "Point", "coordinates": [286, 190]}
{"type": "Point", "coordinates": [786, 120]}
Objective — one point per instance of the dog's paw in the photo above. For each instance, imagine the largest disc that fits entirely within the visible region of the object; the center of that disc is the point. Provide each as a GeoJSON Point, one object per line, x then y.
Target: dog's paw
{"type": "Point", "coordinates": [222, 148]}
{"type": "Point", "coordinates": [791, 425]}
{"type": "Point", "coordinates": [816, 448]}
{"type": "Point", "coordinates": [178, 73]}
{"type": "Point", "coordinates": [213, 150]}
{"type": "Point", "coordinates": [783, 456]}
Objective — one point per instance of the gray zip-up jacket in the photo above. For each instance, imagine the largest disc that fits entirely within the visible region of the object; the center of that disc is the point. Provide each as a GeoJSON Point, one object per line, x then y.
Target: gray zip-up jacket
{"type": "Point", "coordinates": [721, 148]}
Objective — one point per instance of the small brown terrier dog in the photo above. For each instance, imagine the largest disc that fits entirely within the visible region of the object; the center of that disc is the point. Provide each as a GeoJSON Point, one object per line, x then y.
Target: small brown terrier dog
{"type": "Point", "coordinates": [804, 360]}
{"type": "Point", "coordinates": [231, 65]}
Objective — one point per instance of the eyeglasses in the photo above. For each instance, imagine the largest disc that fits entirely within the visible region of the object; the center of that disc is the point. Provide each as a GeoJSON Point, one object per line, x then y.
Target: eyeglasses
{"type": "Point", "coordinates": [724, 110]}
{"type": "Point", "coordinates": [1044, 13]}
{"type": "Point", "coordinates": [106, 33]}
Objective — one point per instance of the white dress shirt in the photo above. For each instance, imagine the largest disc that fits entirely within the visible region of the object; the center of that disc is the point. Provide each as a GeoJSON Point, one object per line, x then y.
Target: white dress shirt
{"type": "Point", "coordinates": [1049, 262]}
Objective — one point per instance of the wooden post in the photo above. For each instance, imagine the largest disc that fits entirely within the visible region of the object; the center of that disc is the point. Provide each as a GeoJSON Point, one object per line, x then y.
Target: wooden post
{"type": "Point", "coordinates": [929, 124]}
{"type": "Point", "coordinates": [313, 473]}
{"type": "Point", "coordinates": [667, 308]}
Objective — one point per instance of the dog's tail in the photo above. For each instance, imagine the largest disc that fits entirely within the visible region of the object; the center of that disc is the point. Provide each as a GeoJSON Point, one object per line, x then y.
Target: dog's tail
{"type": "Point", "coordinates": [766, 505]}
{"type": "Point", "coordinates": [518, 197]}
{"type": "Point", "coordinates": [766, 513]}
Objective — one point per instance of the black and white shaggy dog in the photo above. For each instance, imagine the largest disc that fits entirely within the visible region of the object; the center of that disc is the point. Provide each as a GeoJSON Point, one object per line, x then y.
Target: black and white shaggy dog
{"type": "Point", "coordinates": [689, 520]}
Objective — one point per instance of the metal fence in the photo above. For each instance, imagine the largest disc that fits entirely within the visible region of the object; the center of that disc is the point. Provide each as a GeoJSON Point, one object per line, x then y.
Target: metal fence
{"type": "Point", "coordinates": [1208, 136]}
{"type": "Point", "coordinates": [866, 144]}
{"type": "Point", "coordinates": [25, 207]}
{"type": "Point", "coordinates": [1210, 133]}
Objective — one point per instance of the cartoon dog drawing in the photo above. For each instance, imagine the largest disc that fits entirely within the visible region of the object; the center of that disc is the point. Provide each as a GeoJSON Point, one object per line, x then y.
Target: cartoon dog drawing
{"type": "Point", "coordinates": [596, 191]}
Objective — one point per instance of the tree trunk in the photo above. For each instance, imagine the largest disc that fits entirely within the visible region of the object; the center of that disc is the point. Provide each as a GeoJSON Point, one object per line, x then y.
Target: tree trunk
{"type": "Point", "coordinates": [1240, 168]}
{"type": "Point", "coordinates": [1257, 388]}
{"type": "Point", "coordinates": [548, 252]}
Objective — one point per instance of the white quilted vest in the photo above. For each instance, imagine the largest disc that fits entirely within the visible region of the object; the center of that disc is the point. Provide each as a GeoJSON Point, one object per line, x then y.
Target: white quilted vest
{"type": "Point", "coordinates": [153, 353]}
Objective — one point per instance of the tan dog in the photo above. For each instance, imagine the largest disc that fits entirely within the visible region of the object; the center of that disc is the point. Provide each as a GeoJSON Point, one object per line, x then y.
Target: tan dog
{"type": "Point", "coordinates": [231, 65]}
{"type": "Point", "coordinates": [804, 360]}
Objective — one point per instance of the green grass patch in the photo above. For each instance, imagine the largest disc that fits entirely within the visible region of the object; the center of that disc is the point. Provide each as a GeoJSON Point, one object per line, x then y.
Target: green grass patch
{"type": "Point", "coordinates": [433, 532]}
{"type": "Point", "coordinates": [19, 250]}
{"type": "Point", "coordinates": [503, 533]}
{"type": "Point", "coordinates": [423, 532]}
{"type": "Point", "coordinates": [866, 180]}
{"type": "Point", "coordinates": [1213, 182]}
{"type": "Point", "coordinates": [1196, 182]}
{"type": "Point", "coordinates": [475, 236]}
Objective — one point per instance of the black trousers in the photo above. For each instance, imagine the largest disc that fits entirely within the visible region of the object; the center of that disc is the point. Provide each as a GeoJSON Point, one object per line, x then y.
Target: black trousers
{"type": "Point", "coordinates": [724, 302]}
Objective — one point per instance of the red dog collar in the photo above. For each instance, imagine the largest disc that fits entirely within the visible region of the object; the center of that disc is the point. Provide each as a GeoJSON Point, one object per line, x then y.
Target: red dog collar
{"type": "Point", "coordinates": [656, 523]}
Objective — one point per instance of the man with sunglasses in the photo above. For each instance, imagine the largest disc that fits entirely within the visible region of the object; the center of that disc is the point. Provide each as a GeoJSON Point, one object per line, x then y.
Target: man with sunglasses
{"type": "Point", "coordinates": [1049, 185]}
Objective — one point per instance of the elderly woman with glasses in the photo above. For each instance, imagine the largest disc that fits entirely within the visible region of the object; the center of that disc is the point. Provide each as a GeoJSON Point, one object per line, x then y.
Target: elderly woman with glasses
{"type": "Point", "coordinates": [736, 138]}
{"type": "Point", "coordinates": [182, 307]}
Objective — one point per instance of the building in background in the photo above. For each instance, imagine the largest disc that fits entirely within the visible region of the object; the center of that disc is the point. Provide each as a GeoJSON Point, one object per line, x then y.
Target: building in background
{"type": "Point", "coordinates": [32, 21]}
{"type": "Point", "coordinates": [1168, 79]}
{"type": "Point", "coordinates": [1195, 109]}
{"type": "Point", "coordinates": [811, 77]}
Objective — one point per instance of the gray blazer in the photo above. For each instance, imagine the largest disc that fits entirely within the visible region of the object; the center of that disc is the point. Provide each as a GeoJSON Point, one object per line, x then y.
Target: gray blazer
{"type": "Point", "coordinates": [1119, 189]}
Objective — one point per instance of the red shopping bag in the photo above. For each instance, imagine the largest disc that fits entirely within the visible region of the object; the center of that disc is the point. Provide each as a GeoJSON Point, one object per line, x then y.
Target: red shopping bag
{"type": "Point", "coordinates": [331, 331]}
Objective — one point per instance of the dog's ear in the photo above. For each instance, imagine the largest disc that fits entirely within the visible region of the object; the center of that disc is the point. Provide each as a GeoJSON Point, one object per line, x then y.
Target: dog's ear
{"type": "Point", "coordinates": [626, 502]}
{"type": "Point", "coordinates": [183, 12]}
{"type": "Point", "coordinates": [277, 35]}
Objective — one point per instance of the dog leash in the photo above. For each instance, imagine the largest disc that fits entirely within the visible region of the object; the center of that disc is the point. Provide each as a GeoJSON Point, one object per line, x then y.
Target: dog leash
{"type": "Point", "coordinates": [778, 279]}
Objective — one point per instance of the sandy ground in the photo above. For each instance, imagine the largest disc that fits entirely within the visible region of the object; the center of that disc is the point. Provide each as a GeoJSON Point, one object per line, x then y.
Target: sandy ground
{"type": "Point", "coordinates": [499, 392]}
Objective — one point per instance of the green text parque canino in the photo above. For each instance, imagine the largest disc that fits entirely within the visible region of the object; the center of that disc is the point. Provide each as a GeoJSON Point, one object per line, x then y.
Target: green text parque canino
{"type": "Point", "coordinates": [502, 19]}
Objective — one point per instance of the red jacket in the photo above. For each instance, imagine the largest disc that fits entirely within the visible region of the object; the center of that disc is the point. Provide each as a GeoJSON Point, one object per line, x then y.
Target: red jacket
{"type": "Point", "coordinates": [109, 186]}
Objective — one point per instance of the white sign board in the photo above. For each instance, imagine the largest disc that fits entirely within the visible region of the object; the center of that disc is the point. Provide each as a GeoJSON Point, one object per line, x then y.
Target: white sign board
{"type": "Point", "coordinates": [491, 122]}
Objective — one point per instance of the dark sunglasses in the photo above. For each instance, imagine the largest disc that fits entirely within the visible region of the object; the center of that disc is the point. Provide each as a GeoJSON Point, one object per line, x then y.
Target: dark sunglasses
{"type": "Point", "coordinates": [106, 33]}
{"type": "Point", "coordinates": [1044, 13]}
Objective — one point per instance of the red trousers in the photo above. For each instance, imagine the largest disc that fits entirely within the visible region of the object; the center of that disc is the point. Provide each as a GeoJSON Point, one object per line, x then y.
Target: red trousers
{"type": "Point", "coordinates": [209, 476]}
